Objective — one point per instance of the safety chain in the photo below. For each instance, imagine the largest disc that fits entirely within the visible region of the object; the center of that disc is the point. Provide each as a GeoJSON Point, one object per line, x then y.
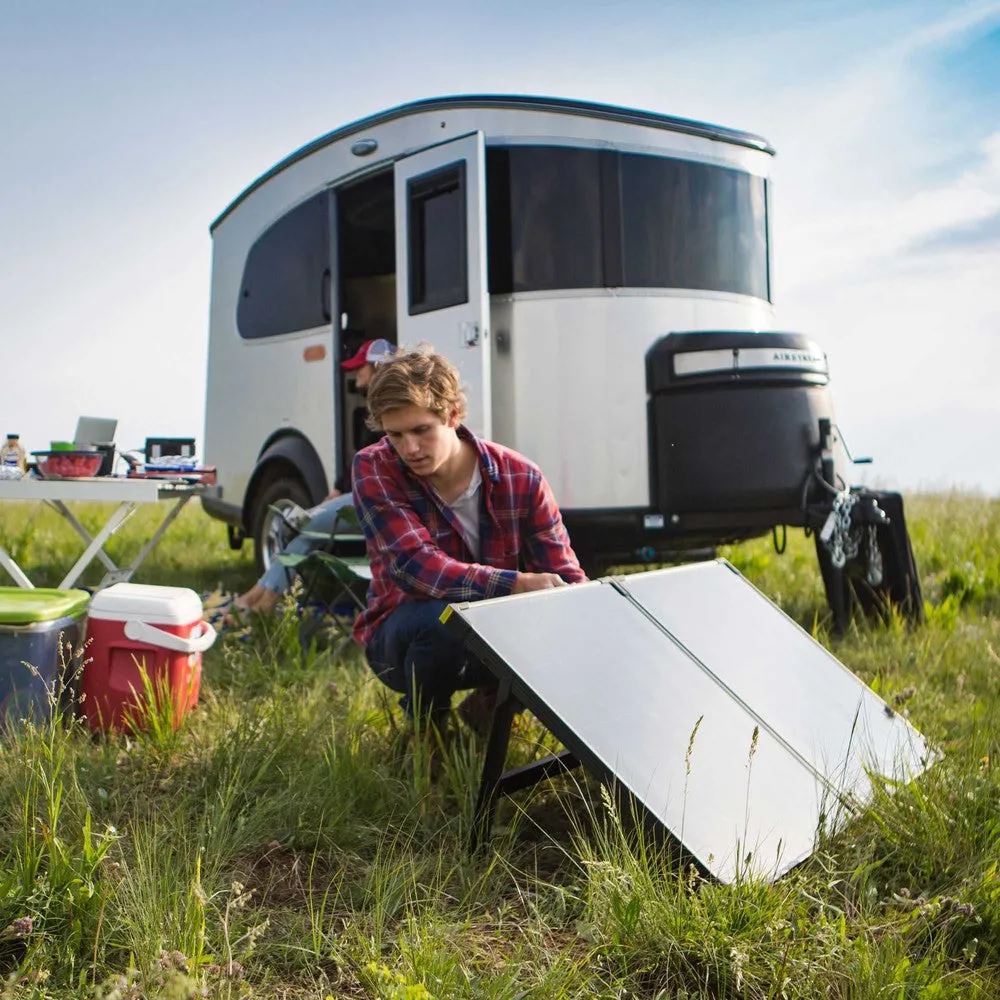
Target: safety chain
{"type": "Point", "coordinates": [836, 532]}
{"type": "Point", "coordinates": [844, 539]}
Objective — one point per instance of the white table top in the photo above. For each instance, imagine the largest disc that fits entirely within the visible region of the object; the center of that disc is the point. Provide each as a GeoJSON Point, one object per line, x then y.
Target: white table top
{"type": "Point", "coordinates": [101, 490]}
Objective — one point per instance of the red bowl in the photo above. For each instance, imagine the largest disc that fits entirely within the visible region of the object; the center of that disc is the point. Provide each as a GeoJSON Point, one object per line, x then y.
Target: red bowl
{"type": "Point", "coordinates": [68, 464]}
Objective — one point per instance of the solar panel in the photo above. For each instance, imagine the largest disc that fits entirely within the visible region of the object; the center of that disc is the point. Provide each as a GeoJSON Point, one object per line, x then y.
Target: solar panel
{"type": "Point", "coordinates": [733, 776]}
{"type": "Point", "coordinates": [792, 682]}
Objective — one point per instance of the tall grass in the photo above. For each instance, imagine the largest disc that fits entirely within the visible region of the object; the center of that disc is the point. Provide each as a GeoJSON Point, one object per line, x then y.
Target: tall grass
{"type": "Point", "coordinates": [283, 843]}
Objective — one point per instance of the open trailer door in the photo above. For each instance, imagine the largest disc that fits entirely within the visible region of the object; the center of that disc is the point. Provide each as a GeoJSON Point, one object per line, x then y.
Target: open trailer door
{"type": "Point", "coordinates": [441, 292]}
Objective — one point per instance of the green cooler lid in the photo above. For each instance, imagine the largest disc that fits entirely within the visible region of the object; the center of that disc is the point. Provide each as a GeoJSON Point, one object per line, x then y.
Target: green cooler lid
{"type": "Point", "coordinates": [20, 606]}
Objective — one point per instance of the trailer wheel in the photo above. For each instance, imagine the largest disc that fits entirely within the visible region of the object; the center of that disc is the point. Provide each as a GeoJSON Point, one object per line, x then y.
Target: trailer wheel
{"type": "Point", "coordinates": [269, 530]}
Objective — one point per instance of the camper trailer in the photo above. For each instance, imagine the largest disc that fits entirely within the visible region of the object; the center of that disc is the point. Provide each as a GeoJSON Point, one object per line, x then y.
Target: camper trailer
{"type": "Point", "coordinates": [603, 279]}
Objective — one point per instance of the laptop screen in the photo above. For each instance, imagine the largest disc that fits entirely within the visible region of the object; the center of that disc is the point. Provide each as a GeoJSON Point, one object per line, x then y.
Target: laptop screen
{"type": "Point", "coordinates": [94, 430]}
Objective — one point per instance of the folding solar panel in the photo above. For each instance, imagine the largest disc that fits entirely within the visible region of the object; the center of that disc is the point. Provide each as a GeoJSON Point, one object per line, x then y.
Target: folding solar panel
{"type": "Point", "coordinates": [724, 765]}
{"type": "Point", "coordinates": [796, 686]}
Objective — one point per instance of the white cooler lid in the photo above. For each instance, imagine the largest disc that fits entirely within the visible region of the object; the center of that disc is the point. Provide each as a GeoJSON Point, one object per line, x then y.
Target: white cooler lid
{"type": "Point", "coordinates": [148, 603]}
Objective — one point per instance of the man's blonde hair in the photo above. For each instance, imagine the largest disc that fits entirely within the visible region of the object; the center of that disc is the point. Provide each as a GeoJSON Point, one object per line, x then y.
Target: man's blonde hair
{"type": "Point", "coordinates": [415, 377]}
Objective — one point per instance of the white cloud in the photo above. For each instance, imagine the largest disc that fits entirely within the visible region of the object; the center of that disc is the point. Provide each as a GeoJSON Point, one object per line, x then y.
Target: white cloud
{"type": "Point", "coordinates": [961, 20]}
{"type": "Point", "coordinates": [847, 236]}
{"type": "Point", "coordinates": [973, 196]}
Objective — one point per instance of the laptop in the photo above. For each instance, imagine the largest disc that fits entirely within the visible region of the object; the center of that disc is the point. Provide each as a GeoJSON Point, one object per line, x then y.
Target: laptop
{"type": "Point", "coordinates": [94, 430]}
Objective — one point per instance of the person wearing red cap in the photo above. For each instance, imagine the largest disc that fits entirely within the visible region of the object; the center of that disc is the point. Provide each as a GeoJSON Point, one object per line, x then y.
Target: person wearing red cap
{"type": "Point", "coordinates": [367, 356]}
{"type": "Point", "coordinates": [362, 364]}
{"type": "Point", "coordinates": [266, 593]}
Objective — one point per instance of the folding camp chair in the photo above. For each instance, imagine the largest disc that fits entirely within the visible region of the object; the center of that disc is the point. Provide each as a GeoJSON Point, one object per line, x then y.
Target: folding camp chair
{"type": "Point", "coordinates": [334, 574]}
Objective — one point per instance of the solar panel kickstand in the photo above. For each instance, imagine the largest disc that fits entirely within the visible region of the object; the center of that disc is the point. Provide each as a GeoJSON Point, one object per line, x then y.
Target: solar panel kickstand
{"type": "Point", "coordinates": [495, 780]}
{"type": "Point", "coordinates": [505, 708]}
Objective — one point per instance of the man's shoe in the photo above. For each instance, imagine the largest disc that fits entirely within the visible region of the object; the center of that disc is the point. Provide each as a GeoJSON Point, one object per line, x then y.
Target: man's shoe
{"type": "Point", "coordinates": [476, 710]}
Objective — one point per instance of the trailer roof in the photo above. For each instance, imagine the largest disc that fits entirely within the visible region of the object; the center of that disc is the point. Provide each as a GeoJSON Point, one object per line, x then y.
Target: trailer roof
{"type": "Point", "coordinates": [564, 106]}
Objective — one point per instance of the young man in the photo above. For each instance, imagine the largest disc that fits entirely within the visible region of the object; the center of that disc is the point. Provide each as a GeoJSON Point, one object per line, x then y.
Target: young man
{"type": "Point", "coordinates": [265, 595]}
{"type": "Point", "coordinates": [446, 517]}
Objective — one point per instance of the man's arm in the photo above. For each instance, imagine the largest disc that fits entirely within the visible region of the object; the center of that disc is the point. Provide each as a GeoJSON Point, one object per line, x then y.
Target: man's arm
{"type": "Point", "coordinates": [547, 547]}
{"type": "Point", "coordinates": [401, 542]}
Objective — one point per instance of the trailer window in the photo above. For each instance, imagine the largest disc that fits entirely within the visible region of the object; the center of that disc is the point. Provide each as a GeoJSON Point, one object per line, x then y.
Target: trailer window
{"type": "Point", "coordinates": [561, 217]}
{"type": "Point", "coordinates": [692, 225]}
{"type": "Point", "coordinates": [555, 209]}
{"type": "Point", "coordinates": [286, 278]}
{"type": "Point", "coordinates": [438, 258]}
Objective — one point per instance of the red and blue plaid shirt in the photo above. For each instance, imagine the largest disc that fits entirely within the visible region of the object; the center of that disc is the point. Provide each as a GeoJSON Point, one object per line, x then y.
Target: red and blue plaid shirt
{"type": "Point", "coordinates": [415, 543]}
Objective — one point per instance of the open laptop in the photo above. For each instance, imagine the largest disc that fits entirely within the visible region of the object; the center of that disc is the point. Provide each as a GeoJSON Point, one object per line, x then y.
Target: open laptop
{"type": "Point", "coordinates": [94, 430]}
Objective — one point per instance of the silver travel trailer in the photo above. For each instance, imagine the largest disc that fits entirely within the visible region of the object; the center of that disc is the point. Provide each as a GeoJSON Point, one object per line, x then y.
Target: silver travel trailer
{"type": "Point", "coordinates": [602, 278]}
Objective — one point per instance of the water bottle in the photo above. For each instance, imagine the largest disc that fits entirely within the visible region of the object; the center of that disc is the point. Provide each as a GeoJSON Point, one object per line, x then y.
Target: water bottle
{"type": "Point", "coordinates": [12, 454]}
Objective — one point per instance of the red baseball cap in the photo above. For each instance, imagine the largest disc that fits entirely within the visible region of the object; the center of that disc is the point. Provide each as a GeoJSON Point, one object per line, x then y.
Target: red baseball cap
{"type": "Point", "coordinates": [371, 352]}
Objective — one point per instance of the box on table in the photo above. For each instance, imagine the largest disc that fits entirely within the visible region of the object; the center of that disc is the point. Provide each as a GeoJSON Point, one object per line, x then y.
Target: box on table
{"type": "Point", "coordinates": [133, 628]}
{"type": "Point", "coordinates": [157, 447]}
{"type": "Point", "coordinates": [40, 650]}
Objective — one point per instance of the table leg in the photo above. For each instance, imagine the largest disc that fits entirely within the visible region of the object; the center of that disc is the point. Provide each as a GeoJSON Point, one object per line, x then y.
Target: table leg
{"type": "Point", "coordinates": [15, 571]}
{"type": "Point", "coordinates": [81, 531]}
{"type": "Point", "coordinates": [117, 519]}
{"type": "Point", "coordinates": [158, 534]}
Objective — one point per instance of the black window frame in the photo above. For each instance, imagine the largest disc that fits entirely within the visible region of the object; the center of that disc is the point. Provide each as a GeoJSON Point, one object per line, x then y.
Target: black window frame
{"type": "Point", "coordinates": [419, 190]}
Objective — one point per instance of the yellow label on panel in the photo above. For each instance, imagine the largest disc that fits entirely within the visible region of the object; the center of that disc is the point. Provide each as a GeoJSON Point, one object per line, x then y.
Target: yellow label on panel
{"type": "Point", "coordinates": [445, 615]}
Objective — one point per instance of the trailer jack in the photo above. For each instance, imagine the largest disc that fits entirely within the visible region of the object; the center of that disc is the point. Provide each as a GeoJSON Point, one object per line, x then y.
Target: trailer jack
{"type": "Point", "coordinates": [863, 548]}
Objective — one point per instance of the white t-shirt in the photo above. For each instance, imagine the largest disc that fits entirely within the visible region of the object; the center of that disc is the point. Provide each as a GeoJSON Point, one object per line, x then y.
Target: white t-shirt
{"type": "Point", "coordinates": [466, 509]}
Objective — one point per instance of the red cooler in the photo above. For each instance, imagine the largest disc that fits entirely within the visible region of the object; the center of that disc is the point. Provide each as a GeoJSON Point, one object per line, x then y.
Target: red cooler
{"type": "Point", "coordinates": [131, 627]}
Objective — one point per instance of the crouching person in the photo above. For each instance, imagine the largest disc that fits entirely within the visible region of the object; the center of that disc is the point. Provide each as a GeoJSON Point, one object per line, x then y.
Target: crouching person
{"type": "Point", "coordinates": [447, 517]}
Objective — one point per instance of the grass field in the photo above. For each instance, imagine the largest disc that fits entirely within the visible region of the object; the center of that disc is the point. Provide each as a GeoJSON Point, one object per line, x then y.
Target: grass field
{"type": "Point", "coordinates": [278, 844]}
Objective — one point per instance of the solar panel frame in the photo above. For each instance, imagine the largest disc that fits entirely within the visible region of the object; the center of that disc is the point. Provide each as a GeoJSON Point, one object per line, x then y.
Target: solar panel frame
{"type": "Point", "coordinates": [693, 813]}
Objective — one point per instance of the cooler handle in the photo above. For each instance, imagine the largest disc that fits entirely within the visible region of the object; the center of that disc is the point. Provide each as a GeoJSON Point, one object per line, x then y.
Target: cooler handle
{"type": "Point", "coordinates": [139, 631]}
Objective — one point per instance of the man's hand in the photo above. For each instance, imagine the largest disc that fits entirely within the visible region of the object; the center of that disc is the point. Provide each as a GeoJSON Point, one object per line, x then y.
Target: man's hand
{"type": "Point", "coordinates": [527, 582]}
{"type": "Point", "coordinates": [332, 495]}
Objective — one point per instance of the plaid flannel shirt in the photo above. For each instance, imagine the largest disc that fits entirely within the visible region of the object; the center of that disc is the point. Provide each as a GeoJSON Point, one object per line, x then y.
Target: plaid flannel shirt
{"type": "Point", "coordinates": [416, 548]}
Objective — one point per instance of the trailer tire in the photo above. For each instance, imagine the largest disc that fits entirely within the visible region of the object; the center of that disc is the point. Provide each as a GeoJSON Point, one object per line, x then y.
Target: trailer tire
{"type": "Point", "coordinates": [281, 492]}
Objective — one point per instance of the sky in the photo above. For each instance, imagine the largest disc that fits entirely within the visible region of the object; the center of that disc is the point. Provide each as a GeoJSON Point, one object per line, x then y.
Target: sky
{"type": "Point", "coordinates": [127, 126]}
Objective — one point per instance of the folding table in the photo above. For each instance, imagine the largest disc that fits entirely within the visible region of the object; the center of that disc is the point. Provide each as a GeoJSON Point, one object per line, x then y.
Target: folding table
{"type": "Point", "coordinates": [126, 493]}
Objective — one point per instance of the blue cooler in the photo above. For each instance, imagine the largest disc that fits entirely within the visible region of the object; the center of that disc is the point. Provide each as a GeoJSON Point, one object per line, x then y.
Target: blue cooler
{"type": "Point", "coordinates": [33, 623]}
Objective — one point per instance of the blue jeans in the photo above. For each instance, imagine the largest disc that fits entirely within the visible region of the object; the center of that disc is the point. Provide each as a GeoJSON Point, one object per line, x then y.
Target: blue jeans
{"type": "Point", "coordinates": [413, 653]}
{"type": "Point", "coordinates": [278, 577]}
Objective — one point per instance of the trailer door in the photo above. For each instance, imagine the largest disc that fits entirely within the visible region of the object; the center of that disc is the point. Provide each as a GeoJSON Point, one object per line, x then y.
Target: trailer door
{"type": "Point", "coordinates": [441, 291]}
